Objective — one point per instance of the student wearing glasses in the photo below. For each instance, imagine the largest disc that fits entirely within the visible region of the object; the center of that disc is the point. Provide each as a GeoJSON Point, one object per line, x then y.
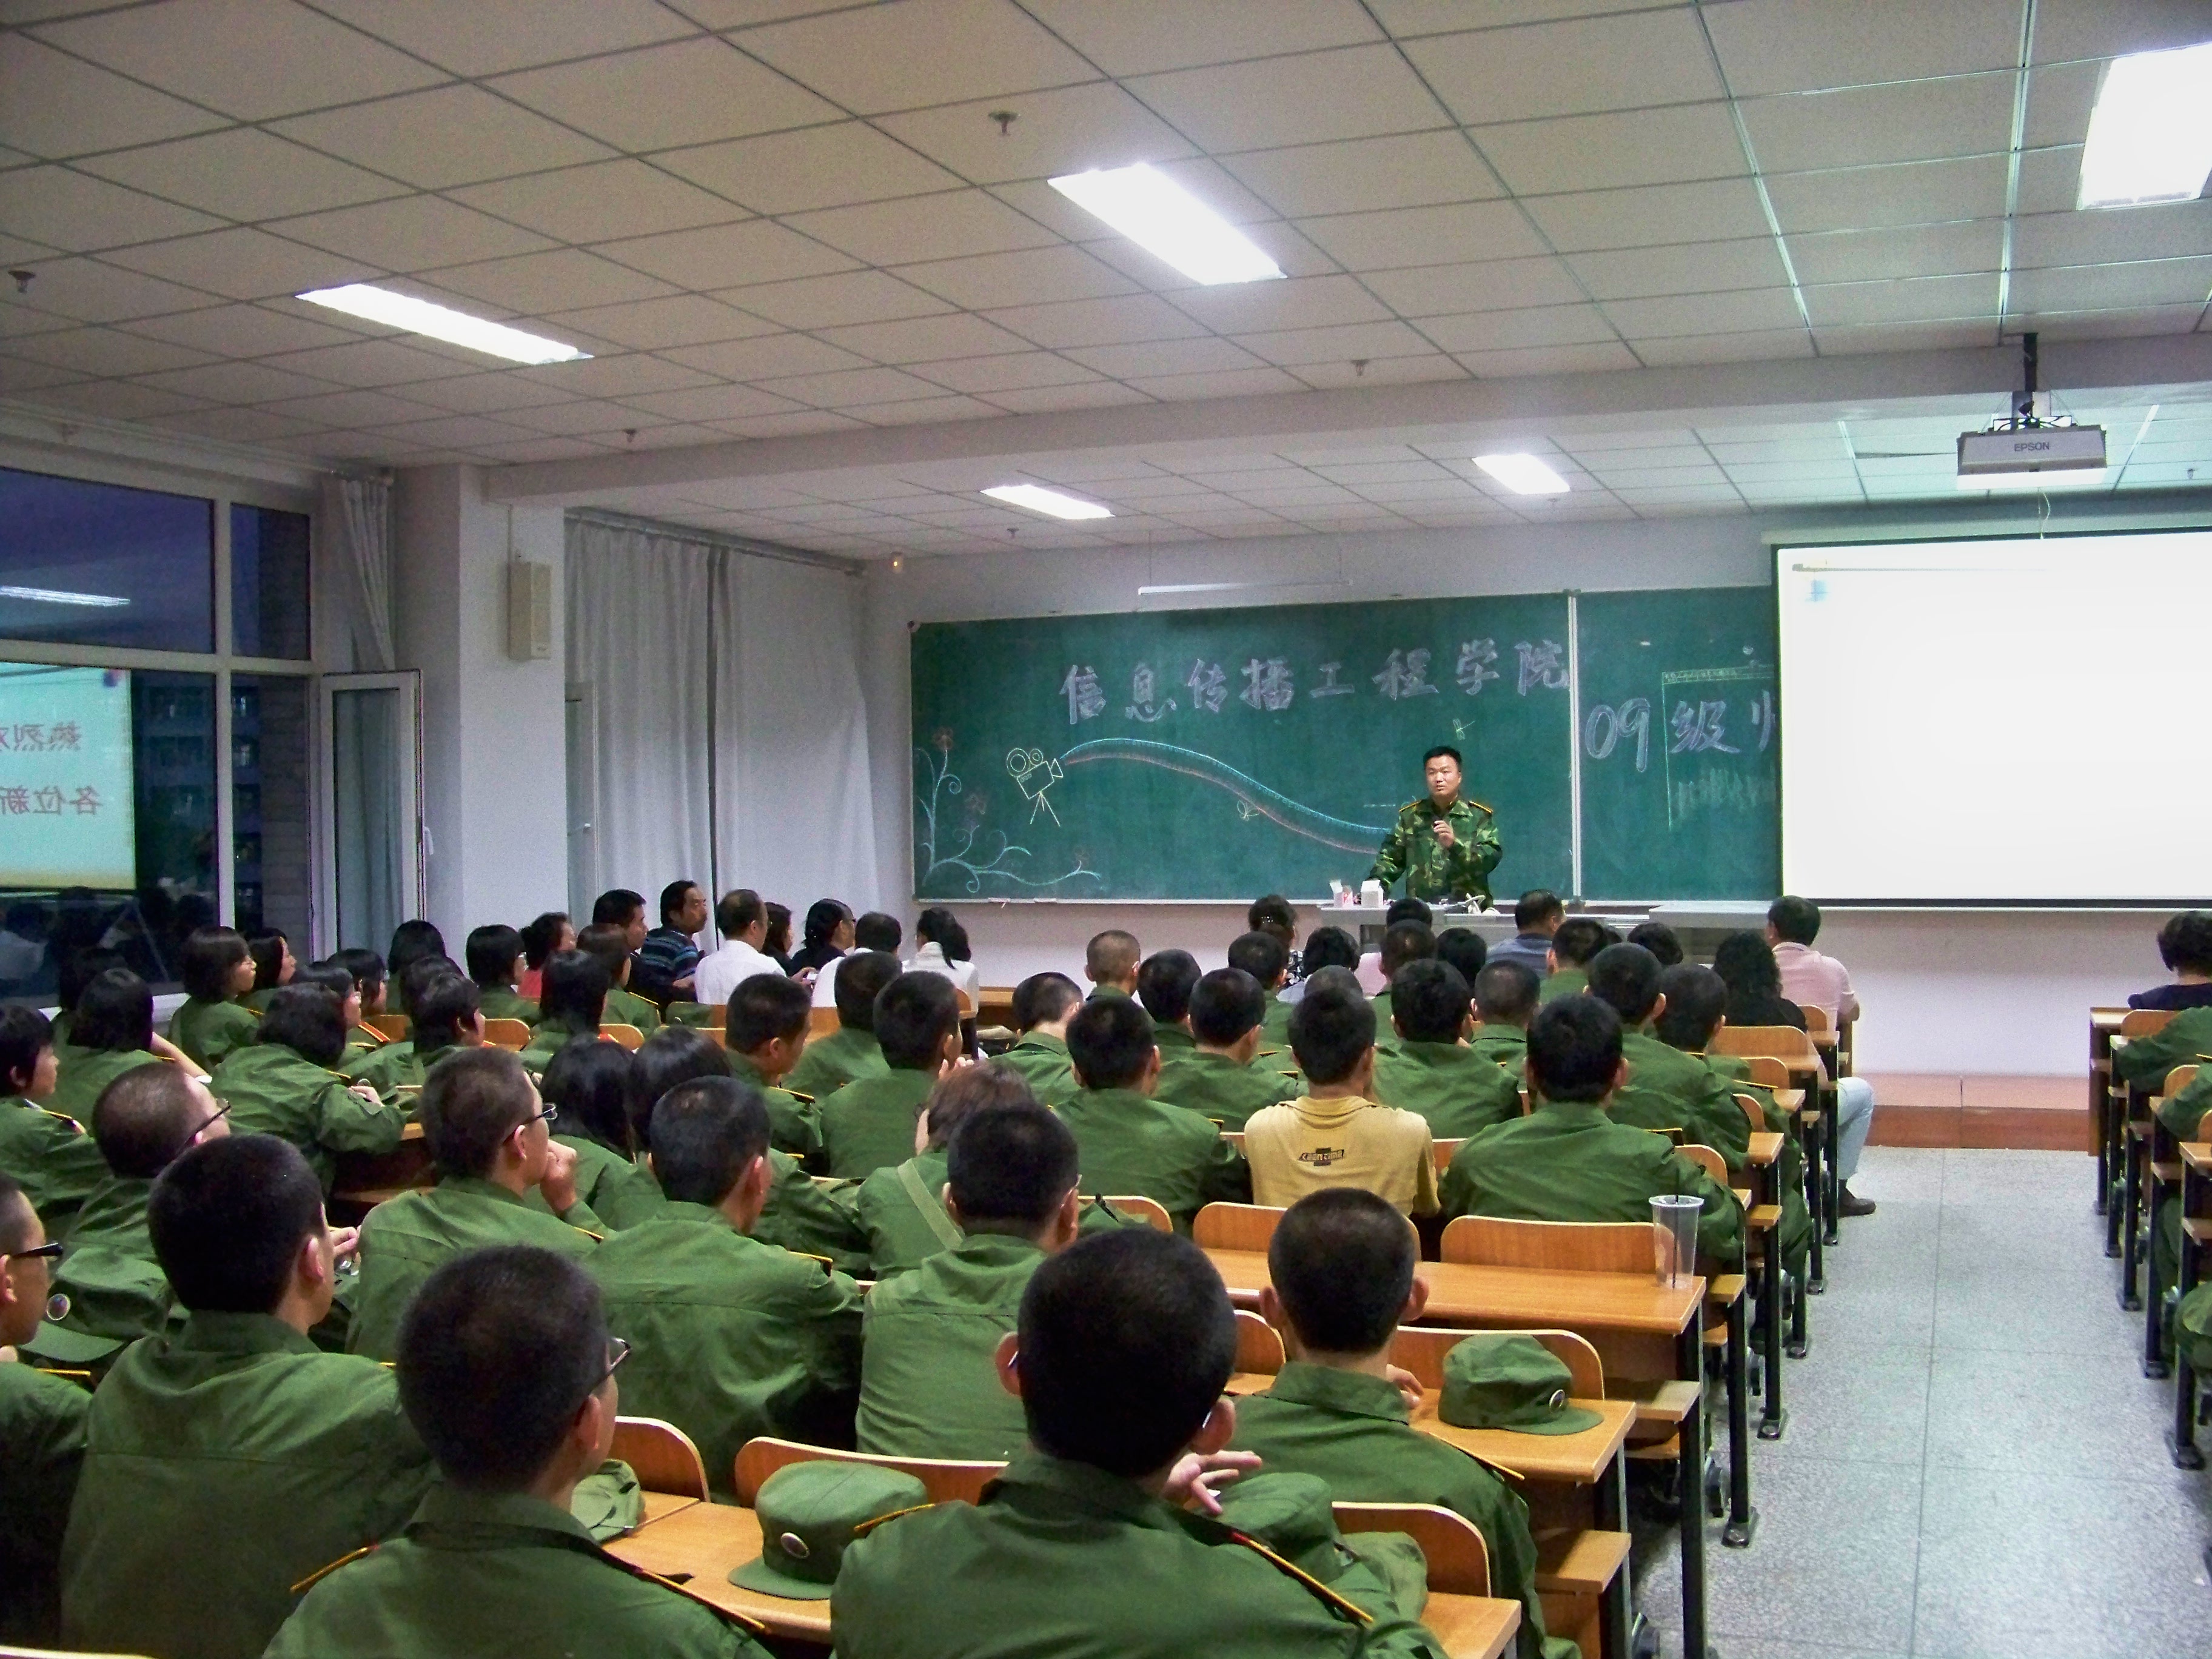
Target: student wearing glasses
{"type": "Point", "coordinates": [42, 1434]}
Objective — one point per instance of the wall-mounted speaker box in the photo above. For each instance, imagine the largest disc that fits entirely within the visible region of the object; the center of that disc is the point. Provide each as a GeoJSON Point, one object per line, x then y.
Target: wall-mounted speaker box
{"type": "Point", "coordinates": [529, 610]}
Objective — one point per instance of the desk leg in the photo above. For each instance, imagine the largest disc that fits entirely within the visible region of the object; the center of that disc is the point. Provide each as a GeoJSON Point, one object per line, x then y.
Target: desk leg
{"type": "Point", "coordinates": [1690, 1361]}
{"type": "Point", "coordinates": [2154, 1357]}
{"type": "Point", "coordinates": [1808, 1147]}
{"type": "Point", "coordinates": [1743, 1520]}
{"type": "Point", "coordinates": [1615, 1614]}
{"type": "Point", "coordinates": [1831, 1180]}
{"type": "Point", "coordinates": [2100, 1099]}
{"type": "Point", "coordinates": [2131, 1212]}
{"type": "Point", "coordinates": [2115, 1143]}
{"type": "Point", "coordinates": [2181, 1442]}
{"type": "Point", "coordinates": [1773, 1417]}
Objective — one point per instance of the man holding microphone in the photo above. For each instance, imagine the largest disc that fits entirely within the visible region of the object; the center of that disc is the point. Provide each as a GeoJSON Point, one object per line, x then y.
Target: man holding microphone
{"type": "Point", "coordinates": [1445, 847]}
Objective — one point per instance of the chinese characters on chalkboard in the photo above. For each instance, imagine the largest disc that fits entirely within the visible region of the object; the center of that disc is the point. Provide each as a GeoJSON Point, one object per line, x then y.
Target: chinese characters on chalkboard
{"type": "Point", "coordinates": [1270, 684]}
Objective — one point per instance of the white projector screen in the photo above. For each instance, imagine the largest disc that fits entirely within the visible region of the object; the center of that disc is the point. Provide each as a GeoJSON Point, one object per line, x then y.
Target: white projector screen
{"type": "Point", "coordinates": [1996, 722]}
{"type": "Point", "coordinates": [66, 811]}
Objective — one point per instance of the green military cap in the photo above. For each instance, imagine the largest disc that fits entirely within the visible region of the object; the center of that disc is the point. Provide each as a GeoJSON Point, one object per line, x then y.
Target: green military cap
{"type": "Point", "coordinates": [1510, 1383]}
{"type": "Point", "coordinates": [58, 1346]}
{"type": "Point", "coordinates": [1291, 1515]}
{"type": "Point", "coordinates": [610, 1502]}
{"type": "Point", "coordinates": [810, 1513]}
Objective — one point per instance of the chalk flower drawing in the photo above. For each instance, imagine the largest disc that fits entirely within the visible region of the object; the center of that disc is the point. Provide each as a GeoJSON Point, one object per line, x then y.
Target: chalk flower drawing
{"type": "Point", "coordinates": [970, 855]}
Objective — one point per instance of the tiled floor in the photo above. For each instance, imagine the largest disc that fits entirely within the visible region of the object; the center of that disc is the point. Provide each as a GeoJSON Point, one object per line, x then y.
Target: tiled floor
{"type": "Point", "coordinates": [1973, 1468]}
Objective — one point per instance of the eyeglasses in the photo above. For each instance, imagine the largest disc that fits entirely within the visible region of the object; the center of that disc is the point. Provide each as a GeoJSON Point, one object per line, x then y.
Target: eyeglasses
{"type": "Point", "coordinates": [222, 1111]}
{"type": "Point", "coordinates": [617, 1351]}
{"type": "Point", "coordinates": [51, 1252]}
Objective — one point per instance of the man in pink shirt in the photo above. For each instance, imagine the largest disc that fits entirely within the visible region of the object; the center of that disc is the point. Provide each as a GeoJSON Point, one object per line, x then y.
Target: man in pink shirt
{"type": "Point", "coordinates": [1813, 980]}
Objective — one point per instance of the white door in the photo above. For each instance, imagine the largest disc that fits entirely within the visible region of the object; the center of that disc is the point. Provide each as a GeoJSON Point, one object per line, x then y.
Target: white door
{"type": "Point", "coordinates": [371, 805]}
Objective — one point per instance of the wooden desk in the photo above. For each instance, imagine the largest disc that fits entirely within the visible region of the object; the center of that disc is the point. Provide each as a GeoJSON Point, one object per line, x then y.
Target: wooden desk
{"type": "Point", "coordinates": [2196, 1159]}
{"type": "Point", "coordinates": [1640, 1329]}
{"type": "Point", "coordinates": [695, 1547]}
{"type": "Point", "coordinates": [660, 1505]}
{"type": "Point", "coordinates": [2103, 1026]}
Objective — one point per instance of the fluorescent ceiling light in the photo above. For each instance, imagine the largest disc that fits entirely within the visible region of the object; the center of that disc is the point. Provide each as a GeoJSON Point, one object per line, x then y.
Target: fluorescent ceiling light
{"type": "Point", "coordinates": [1524, 475]}
{"type": "Point", "coordinates": [1161, 217]}
{"type": "Point", "coordinates": [1051, 502]}
{"type": "Point", "coordinates": [380, 305]}
{"type": "Point", "coordinates": [2150, 136]}
{"type": "Point", "coordinates": [2062, 479]}
{"type": "Point", "coordinates": [59, 596]}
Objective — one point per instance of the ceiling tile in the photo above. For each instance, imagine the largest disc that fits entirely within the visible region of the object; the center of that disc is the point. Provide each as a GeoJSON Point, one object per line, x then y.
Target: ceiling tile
{"type": "Point", "coordinates": [1381, 371]}
{"type": "Point", "coordinates": [853, 387]}
{"type": "Point", "coordinates": [2105, 28]}
{"type": "Point", "coordinates": [378, 363]}
{"type": "Point", "coordinates": [1612, 152]}
{"type": "Point", "coordinates": [72, 211]}
{"type": "Point", "coordinates": [1850, 256]}
{"type": "Point", "coordinates": [1715, 211]}
{"type": "Point", "coordinates": [2091, 287]}
{"type": "Point", "coordinates": [1703, 314]}
{"type": "Point", "coordinates": [563, 279]}
{"type": "Point", "coordinates": [58, 106]}
{"type": "Point", "coordinates": [1425, 236]}
{"type": "Point", "coordinates": [104, 351]}
{"type": "Point", "coordinates": [237, 426]}
{"type": "Point", "coordinates": [1759, 345]}
{"type": "Point", "coordinates": [414, 233]}
{"type": "Point", "coordinates": [1098, 322]}
{"type": "Point", "coordinates": [1164, 357]}
{"type": "Point", "coordinates": [447, 136]}
{"type": "Point", "coordinates": [1356, 92]}
{"type": "Point", "coordinates": [648, 324]}
{"type": "Point", "coordinates": [543, 449]}
{"type": "Point", "coordinates": [919, 228]}
{"type": "Point", "coordinates": [916, 53]}
{"type": "Point", "coordinates": [2131, 322]}
{"type": "Point", "coordinates": [1903, 193]}
{"type": "Point", "coordinates": [117, 400]}
{"type": "Point", "coordinates": [1141, 37]}
{"type": "Point", "coordinates": [1416, 169]}
{"type": "Point", "coordinates": [1005, 372]}
{"type": "Point", "coordinates": [923, 339]}
{"type": "Point", "coordinates": [93, 292]}
{"type": "Point", "coordinates": [240, 264]}
{"type": "Point", "coordinates": [1919, 298]}
{"type": "Point", "coordinates": [236, 383]}
{"type": "Point", "coordinates": [824, 167]}
{"type": "Point", "coordinates": [2051, 180]}
{"type": "Point", "coordinates": [485, 37]}
{"type": "Point", "coordinates": [918, 411]}
{"type": "Point", "coordinates": [600, 202]}
{"type": "Point", "coordinates": [1485, 285]}
{"type": "Point", "coordinates": [727, 256]}
{"type": "Point", "coordinates": [1805, 46]}
{"type": "Point", "coordinates": [1534, 325]}
{"type": "Point", "coordinates": [1698, 268]}
{"type": "Point", "coordinates": [586, 415]}
{"type": "Point", "coordinates": [690, 91]}
{"type": "Point", "coordinates": [1575, 68]}
{"type": "Point", "coordinates": [1912, 121]}
{"type": "Point", "coordinates": [242, 331]}
{"type": "Point", "coordinates": [484, 393]}
{"type": "Point", "coordinates": [254, 59]}
{"type": "Point", "coordinates": [765, 357]}
{"type": "Point", "coordinates": [2169, 230]}
{"type": "Point", "coordinates": [455, 432]}
{"type": "Point", "coordinates": [858, 296]}
{"type": "Point", "coordinates": [1299, 302]}
{"type": "Point", "coordinates": [2059, 99]}
{"type": "Point", "coordinates": [1903, 336]}
{"type": "Point", "coordinates": [1019, 277]}
{"type": "Point", "coordinates": [241, 174]}
{"type": "Point", "coordinates": [1070, 130]}
{"type": "Point", "coordinates": [353, 409]}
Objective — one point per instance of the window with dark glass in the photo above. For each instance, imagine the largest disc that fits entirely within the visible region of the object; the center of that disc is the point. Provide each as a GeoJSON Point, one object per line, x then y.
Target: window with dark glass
{"type": "Point", "coordinates": [268, 582]}
{"type": "Point", "coordinates": [98, 565]}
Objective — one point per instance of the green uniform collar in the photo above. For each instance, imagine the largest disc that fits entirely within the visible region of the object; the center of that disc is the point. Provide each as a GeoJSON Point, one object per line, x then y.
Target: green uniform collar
{"type": "Point", "coordinates": [209, 1331]}
{"type": "Point", "coordinates": [454, 1518]}
{"type": "Point", "coordinates": [996, 1249]}
{"type": "Point", "coordinates": [745, 1071]}
{"type": "Point", "coordinates": [1043, 1042]}
{"type": "Point", "coordinates": [1039, 1479]}
{"type": "Point", "coordinates": [1303, 1383]}
{"type": "Point", "coordinates": [1573, 1113]}
{"type": "Point", "coordinates": [480, 1187]}
{"type": "Point", "coordinates": [1173, 1037]}
{"type": "Point", "coordinates": [698, 1215]}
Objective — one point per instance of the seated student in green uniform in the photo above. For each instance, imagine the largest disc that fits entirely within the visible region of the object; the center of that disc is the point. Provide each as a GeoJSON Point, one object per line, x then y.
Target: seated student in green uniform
{"type": "Point", "coordinates": [1430, 1069]}
{"type": "Point", "coordinates": [592, 1085]}
{"type": "Point", "coordinates": [338, 981]}
{"type": "Point", "coordinates": [411, 940]}
{"type": "Point", "coordinates": [111, 1029]}
{"type": "Point", "coordinates": [1165, 980]}
{"type": "Point", "coordinates": [1666, 1089]}
{"type": "Point", "coordinates": [285, 1084]}
{"type": "Point", "coordinates": [1085, 1545]}
{"type": "Point", "coordinates": [506, 1372]}
{"type": "Point", "coordinates": [446, 1020]}
{"type": "Point", "coordinates": [485, 1127]}
{"type": "Point", "coordinates": [764, 1028]}
{"type": "Point", "coordinates": [1131, 1144]}
{"type": "Point", "coordinates": [1274, 913]}
{"type": "Point", "coordinates": [2145, 1061]}
{"type": "Point", "coordinates": [1341, 1266]}
{"type": "Point", "coordinates": [1660, 939]}
{"type": "Point", "coordinates": [1043, 1004]}
{"type": "Point", "coordinates": [231, 1459]}
{"type": "Point", "coordinates": [1466, 950]}
{"type": "Point", "coordinates": [217, 972]}
{"type": "Point", "coordinates": [42, 1434]}
{"type": "Point", "coordinates": [371, 993]}
{"type": "Point", "coordinates": [274, 964]}
{"type": "Point", "coordinates": [1506, 997]}
{"type": "Point", "coordinates": [730, 1337]}
{"type": "Point", "coordinates": [572, 997]}
{"type": "Point", "coordinates": [851, 1052]}
{"type": "Point", "coordinates": [903, 1208]}
{"type": "Point", "coordinates": [928, 1384]}
{"type": "Point", "coordinates": [1402, 942]}
{"type": "Point", "coordinates": [1110, 963]}
{"type": "Point", "coordinates": [869, 1124]}
{"type": "Point", "coordinates": [495, 957]}
{"type": "Point", "coordinates": [1578, 939]}
{"type": "Point", "coordinates": [609, 945]}
{"type": "Point", "coordinates": [1336, 1135]}
{"type": "Point", "coordinates": [1262, 956]}
{"type": "Point", "coordinates": [1218, 1075]}
{"type": "Point", "coordinates": [48, 1154]}
{"type": "Point", "coordinates": [1567, 1160]}
{"type": "Point", "coordinates": [142, 1122]}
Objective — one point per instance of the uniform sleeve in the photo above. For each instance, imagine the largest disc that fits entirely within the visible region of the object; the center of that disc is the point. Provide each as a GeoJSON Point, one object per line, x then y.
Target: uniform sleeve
{"type": "Point", "coordinates": [2185, 1113]}
{"type": "Point", "coordinates": [1390, 856]}
{"type": "Point", "coordinates": [344, 1123]}
{"type": "Point", "coordinates": [1727, 1129]}
{"type": "Point", "coordinates": [1720, 1229]}
{"type": "Point", "coordinates": [1425, 1202]}
{"type": "Point", "coordinates": [803, 1217]}
{"type": "Point", "coordinates": [1227, 1178]}
{"type": "Point", "coordinates": [832, 1335]}
{"type": "Point", "coordinates": [1478, 854]}
{"type": "Point", "coordinates": [1456, 1193]}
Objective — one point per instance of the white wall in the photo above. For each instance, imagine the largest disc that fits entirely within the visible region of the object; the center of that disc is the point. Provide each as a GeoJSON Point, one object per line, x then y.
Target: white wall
{"type": "Point", "coordinates": [495, 783]}
{"type": "Point", "coordinates": [1952, 991]}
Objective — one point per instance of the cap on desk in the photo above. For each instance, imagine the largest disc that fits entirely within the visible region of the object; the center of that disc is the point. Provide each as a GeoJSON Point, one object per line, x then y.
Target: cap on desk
{"type": "Point", "coordinates": [810, 1513]}
{"type": "Point", "coordinates": [1510, 1383]}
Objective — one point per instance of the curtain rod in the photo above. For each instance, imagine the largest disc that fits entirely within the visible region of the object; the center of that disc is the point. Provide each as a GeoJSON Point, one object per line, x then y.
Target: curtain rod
{"type": "Point", "coordinates": [745, 545]}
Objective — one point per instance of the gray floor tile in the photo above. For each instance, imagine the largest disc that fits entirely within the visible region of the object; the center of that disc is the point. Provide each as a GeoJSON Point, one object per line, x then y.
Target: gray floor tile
{"type": "Point", "coordinates": [1847, 1316]}
{"type": "Point", "coordinates": [2039, 1567]}
{"type": "Point", "coordinates": [2057, 1314]}
{"type": "Point", "coordinates": [1972, 1177]}
{"type": "Point", "coordinates": [1890, 1174]}
{"type": "Point", "coordinates": [2083, 1415]}
{"type": "Point", "coordinates": [1870, 1406]}
{"type": "Point", "coordinates": [1741, 1647]}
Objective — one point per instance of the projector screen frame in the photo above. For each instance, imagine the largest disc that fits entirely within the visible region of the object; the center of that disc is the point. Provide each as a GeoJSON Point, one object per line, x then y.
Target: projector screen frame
{"type": "Point", "coordinates": [1979, 528]}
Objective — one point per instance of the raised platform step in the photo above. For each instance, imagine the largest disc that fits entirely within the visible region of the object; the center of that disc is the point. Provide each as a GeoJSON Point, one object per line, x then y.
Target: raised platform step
{"type": "Point", "coordinates": [2028, 1114]}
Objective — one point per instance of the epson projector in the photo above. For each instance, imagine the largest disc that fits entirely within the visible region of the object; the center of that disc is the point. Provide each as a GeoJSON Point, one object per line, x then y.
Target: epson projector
{"type": "Point", "coordinates": [2037, 448]}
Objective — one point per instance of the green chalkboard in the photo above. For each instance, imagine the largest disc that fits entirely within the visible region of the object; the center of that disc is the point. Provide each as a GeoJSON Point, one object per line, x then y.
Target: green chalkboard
{"type": "Point", "coordinates": [1223, 753]}
{"type": "Point", "coordinates": [1680, 759]}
